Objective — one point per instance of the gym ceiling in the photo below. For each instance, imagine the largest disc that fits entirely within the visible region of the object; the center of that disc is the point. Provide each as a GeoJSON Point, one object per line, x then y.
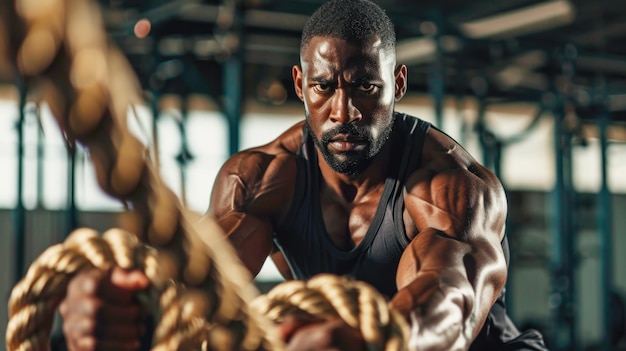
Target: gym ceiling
{"type": "Point", "coordinates": [506, 50]}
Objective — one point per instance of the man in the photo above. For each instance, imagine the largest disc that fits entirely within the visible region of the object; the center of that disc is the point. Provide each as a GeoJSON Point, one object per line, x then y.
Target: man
{"type": "Point", "coordinates": [361, 190]}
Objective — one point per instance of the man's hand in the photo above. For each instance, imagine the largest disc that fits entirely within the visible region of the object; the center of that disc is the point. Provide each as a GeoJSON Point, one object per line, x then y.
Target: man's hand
{"type": "Point", "coordinates": [309, 335]}
{"type": "Point", "coordinates": [100, 311]}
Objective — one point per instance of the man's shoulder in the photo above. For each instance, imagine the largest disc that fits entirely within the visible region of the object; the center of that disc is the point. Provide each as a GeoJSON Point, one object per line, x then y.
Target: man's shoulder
{"type": "Point", "coordinates": [442, 154]}
{"type": "Point", "coordinates": [261, 162]}
{"type": "Point", "coordinates": [256, 180]}
{"type": "Point", "coordinates": [280, 151]}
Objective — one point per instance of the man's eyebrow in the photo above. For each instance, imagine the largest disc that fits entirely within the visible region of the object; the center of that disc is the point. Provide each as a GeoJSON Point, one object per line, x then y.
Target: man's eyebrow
{"type": "Point", "coordinates": [320, 80]}
{"type": "Point", "coordinates": [367, 78]}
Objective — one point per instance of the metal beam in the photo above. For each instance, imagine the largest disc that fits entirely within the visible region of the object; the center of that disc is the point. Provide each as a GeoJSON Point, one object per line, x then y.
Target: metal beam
{"type": "Point", "coordinates": [563, 296]}
{"type": "Point", "coordinates": [233, 98]}
{"type": "Point", "coordinates": [19, 213]}
{"type": "Point", "coordinates": [71, 215]}
{"type": "Point", "coordinates": [437, 72]}
{"type": "Point", "coordinates": [605, 224]}
{"type": "Point", "coordinates": [232, 79]}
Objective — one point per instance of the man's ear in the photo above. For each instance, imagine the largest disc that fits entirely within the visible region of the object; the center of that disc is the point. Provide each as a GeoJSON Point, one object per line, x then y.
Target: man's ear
{"type": "Point", "coordinates": [296, 74]}
{"type": "Point", "coordinates": [401, 82]}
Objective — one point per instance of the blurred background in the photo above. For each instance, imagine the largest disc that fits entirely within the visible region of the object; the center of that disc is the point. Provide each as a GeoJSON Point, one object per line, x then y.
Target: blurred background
{"type": "Point", "coordinates": [534, 89]}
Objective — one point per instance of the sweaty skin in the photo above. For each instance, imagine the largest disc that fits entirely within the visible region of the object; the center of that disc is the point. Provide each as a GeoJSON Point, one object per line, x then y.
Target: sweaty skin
{"type": "Point", "coordinates": [453, 269]}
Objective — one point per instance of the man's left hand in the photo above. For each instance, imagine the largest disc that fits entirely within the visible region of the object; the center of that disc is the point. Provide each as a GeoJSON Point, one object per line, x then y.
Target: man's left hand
{"type": "Point", "coordinates": [310, 335]}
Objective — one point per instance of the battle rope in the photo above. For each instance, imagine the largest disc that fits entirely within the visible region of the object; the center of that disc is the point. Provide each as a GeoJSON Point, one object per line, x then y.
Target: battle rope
{"type": "Point", "coordinates": [60, 47]}
{"type": "Point", "coordinates": [327, 297]}
{"type": "Point", "coordinates": [204, 292]}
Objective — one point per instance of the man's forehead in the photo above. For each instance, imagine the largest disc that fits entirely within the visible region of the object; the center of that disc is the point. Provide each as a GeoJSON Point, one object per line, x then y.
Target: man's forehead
{"type": "Point", "coordinates": [370, 49]}
{"type": "Point", "coordinates": [372, 42]}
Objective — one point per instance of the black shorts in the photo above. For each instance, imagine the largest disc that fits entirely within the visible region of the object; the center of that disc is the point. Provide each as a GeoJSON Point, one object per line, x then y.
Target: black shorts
{"type": "Point", "coordinates": [500, 334]}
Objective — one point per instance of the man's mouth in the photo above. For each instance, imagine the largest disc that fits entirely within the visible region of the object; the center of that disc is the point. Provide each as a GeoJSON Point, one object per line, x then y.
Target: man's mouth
{"type": "Point", "coordinates": [346, 143]}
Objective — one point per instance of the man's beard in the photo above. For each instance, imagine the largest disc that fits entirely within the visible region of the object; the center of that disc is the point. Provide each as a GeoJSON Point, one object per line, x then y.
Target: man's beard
{"type": "Point", "coordinates": [351, 163]}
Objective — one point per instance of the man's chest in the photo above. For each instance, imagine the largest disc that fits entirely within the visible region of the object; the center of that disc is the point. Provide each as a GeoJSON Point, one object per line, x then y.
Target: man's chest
{"type": "Point", "coordinates": [347, 223]}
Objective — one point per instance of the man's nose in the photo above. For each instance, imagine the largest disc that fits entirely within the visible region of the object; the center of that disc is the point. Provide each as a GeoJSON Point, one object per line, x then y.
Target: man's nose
{"type": "Point", "coordinates": [343, 109]}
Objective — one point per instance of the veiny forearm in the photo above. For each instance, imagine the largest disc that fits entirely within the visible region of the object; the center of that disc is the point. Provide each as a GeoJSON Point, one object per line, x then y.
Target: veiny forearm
{"type": "Point", "coordinates": [441, 317]}
{"type": "Point", "coordinates": [447, 291]}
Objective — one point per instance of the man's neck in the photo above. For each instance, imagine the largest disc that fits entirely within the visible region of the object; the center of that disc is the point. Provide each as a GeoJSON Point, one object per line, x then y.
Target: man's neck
{"type": "Point", "coordinates": [353, 188]}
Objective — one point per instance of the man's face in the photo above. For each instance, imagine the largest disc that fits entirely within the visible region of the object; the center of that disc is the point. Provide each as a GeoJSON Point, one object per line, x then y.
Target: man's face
{"type": "Point", "coordinates": [348, 90]}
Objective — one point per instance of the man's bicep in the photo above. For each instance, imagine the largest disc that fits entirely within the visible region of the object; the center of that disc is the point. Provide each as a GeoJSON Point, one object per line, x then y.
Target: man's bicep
{"type": "Point", "coordinates": [251, 195]}
{"type": "Point", "coordinates": [461, 203]}
{"type": "Point", "coordinates": [460, 216]}
{"type": "Point", "coordinates": [463, 213]}
{"type": "Point", "coordinates": [229, 190]}
{"type": "Point", "coordinates": [250, 233]}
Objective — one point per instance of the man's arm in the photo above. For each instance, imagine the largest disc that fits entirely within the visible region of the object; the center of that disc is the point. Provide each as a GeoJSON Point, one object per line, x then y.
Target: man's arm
{"type": "Point", "coordinates": [453, 271]}
{"type": "Point", "coordinates": [251, 195]}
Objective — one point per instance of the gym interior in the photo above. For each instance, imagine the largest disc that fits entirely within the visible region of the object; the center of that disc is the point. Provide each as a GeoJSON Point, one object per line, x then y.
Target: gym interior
{"type": "Point", "coordinates": [533, 89]}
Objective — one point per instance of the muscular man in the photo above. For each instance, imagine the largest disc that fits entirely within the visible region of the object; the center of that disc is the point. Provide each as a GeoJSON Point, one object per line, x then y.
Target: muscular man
{"type": "Point", "coordinates": [359, 189]}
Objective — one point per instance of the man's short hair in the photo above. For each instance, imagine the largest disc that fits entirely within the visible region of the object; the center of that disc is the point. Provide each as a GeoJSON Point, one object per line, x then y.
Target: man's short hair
{"type": "Point", "coordinates": [351, 20]}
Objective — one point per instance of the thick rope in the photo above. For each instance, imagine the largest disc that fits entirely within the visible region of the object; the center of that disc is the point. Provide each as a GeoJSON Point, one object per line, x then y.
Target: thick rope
{"type": "Point", "coordinates": [200, 289]}
{"type": "Point", "coordinates": [327, 297]}
{"type": "Point", "coordinates": [61, 48]}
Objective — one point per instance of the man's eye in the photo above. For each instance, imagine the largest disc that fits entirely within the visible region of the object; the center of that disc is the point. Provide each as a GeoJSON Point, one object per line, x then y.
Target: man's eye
{"type": "Point", "coordinates": [366, 87]}
{"type": "Point", "coordinates": [322, 87]}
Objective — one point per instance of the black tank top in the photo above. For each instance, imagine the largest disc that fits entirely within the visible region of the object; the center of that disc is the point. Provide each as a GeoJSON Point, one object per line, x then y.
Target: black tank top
{"type": "Point", "coordinates": [304, 242]}
{"type": "Point", "coordinates": [303, 238]}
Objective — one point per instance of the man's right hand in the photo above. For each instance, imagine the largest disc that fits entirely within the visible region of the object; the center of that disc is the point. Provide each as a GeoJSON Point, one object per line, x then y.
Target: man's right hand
{"type": "Point", "coordinates": [100, 311]}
